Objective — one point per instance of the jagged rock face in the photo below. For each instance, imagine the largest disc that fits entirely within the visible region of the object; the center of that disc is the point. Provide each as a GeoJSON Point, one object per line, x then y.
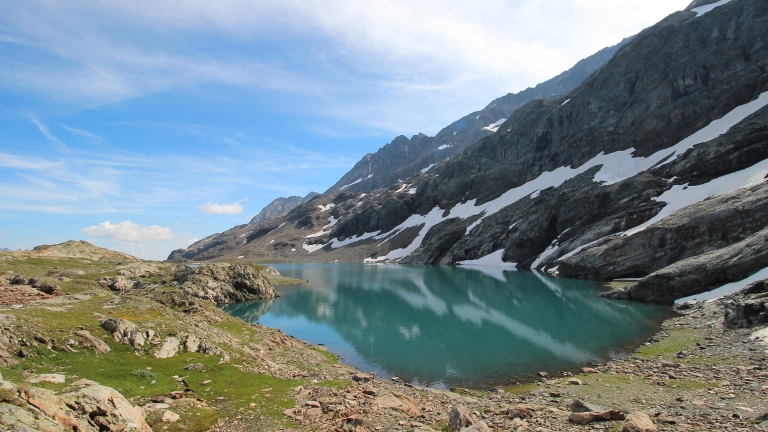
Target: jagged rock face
{"type": "Point", "coordinates": [281, 206]}
{"type": "Point", "coordinates": [749, 308]}
{"type": "Point", "coordinates": [225, 283]}
{"type": "Point", "coordinates": [696, 274]}
{"type": "Point", "coordinates": [404, 158]}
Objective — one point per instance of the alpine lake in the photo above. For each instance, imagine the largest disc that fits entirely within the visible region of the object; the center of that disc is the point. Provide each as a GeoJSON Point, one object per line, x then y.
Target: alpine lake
{"type": "Point", "coordinates": [476, 327]}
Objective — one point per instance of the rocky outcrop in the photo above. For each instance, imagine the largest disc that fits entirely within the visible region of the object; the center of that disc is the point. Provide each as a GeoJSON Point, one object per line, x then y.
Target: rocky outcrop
{"type": "Point", "coordinates": [704, 272]}
{"type": "Point", "coordinates": [95, 408]}
{"type": "Point", "coordinates": [225, 283]}
{"type": "Point", "coordinates": [106, 409]}
{"type": "Point", "coordinates": [125, 332]}
{"type": "Point", "coordinates": [119, 283]}
{"type": "Point", "coordinates": [141, 269]}
{"type": "Point", "coordinates": [709, 225]}
{"type": "Point", "coordinates": [749, 308]}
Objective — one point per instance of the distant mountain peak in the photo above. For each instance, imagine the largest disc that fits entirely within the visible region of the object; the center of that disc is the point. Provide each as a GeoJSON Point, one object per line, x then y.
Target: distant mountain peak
{"type": "Point", "coordinates": [281, 206]}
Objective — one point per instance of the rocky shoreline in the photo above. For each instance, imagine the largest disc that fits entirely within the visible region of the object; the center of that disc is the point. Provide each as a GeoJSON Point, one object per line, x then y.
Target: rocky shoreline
{"type": "Point", "coordinates": [177, 363]}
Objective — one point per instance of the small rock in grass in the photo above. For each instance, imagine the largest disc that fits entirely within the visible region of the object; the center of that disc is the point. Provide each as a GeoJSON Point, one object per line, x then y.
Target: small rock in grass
{"type": "Point", "coordinates": [575, 381]}
{"type": "Point", "coordinates": [195, 367]}
{"type": "Point", "coordinates": [51, 378]}
{"type": "Point", "coordinates": [170, 417]}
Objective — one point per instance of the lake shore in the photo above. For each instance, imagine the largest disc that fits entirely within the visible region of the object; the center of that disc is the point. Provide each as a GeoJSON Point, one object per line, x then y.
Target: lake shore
{"type": "Point", "coordinates": [694, 375]}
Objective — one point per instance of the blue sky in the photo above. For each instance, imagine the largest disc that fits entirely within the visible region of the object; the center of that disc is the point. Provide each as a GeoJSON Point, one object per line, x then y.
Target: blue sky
{"type": "Point", "coordinates": [144, 125]}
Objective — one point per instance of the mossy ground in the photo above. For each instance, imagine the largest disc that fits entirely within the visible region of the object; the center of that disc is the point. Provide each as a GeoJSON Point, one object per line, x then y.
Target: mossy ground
{"type": "Point", "coordinates": [231, 391]}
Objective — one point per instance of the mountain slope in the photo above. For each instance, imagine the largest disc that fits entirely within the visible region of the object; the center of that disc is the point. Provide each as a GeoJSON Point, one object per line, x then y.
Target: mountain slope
{"type": "Point", "coordinates": [281, 206]}
{"type": "Point", "coordinates": [653, 168]}
{"type": "Point", "coordinates": [403, 158]}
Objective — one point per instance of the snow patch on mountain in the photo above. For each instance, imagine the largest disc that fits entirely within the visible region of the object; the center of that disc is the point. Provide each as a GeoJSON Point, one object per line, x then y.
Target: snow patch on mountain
{"type": "Point", "coordinates": [704, 9]}
{"type": "Point", "coordinates": [312, 248]}
{"type": "Point", "coordinates": [494, 259]}
{"type": "Point", "coordinates": [727, 289]}
{"type": "Point", "coordinates": [494, 127]}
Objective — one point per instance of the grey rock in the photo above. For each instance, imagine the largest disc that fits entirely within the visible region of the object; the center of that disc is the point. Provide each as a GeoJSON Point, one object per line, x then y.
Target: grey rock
{"type": "Point", "coordinates": [170, 347]}
{"type": "Point", "coordinates": [460, 417]}
{"type": "Point", "coordinates": [704, 272]}
{"type": "Point", "coordinates": [98, 345]}
{"type": "Point", "coordinates": [18, 280]}
{"type": "Point", "coordinates": [578, 406]}
{"type": "Point", "coordinates": [749, 308]}
{"type": "Point", "coordinates": [224, 283]}
{"type": "Point", "coordinates": [124, 331]}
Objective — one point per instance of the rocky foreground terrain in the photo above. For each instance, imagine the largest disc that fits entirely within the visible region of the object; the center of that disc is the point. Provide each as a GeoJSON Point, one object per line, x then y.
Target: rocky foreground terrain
{"type": "Point", "coordinates": [95, 344]}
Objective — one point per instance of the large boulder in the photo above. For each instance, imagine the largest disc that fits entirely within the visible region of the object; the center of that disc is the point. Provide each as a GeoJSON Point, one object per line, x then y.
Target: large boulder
{"type": "Point", "coordinates": [17, 419]}
{"type": "Point", "coordinates": [460, 417]}
{"type": "Point", "coordinates": [107, 409]}
{"type": "Point", "coordinates": [119, 283]}
{"type": "Point", "coordinates": [225, 283]}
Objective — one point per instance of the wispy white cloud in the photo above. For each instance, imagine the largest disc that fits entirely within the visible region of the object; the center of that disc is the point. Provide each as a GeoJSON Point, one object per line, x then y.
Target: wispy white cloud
{"type": "Point", "coordinates": [353, 60]}
{"type": "Point", "coordinates": [211, 208]}
{"type": "Point", "coordinates": [60, 146]}
{"type": "Point", "coordinates": [81, 132]}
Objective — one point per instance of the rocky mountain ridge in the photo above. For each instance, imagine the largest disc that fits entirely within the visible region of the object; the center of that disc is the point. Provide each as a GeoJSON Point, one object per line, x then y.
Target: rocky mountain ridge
{"type": "Point", "coordinates": [404, 158]}
{"type": "Point", "coordinates": [633, 172]}
{"type": "Point", "coordinates": [281, 206]}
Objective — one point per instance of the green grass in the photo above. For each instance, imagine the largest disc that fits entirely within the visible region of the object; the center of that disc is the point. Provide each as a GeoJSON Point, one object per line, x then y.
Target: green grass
{"type": "Point", "coordinates": [678, 340]}
{"type": "Point", "coordinates": [520, 389]}
{"type": "Point", "coordinates": [133, 376]}
{"type": "Point", "coordinates": [193, 418]}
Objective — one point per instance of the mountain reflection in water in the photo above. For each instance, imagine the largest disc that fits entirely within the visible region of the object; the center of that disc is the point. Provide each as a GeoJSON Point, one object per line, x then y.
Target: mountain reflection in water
{"type": "Point", "coordinates": [448, 326]}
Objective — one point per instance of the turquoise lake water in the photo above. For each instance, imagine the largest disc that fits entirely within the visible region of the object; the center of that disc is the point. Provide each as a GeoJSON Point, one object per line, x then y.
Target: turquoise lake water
{"type": "Point", "coordinates": [451, 326]}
